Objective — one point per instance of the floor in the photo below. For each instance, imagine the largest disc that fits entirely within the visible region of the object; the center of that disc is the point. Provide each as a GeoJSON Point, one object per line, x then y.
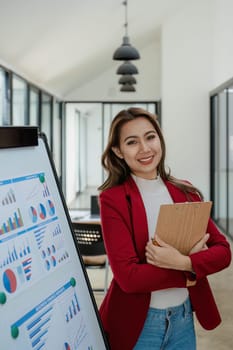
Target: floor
{"type": "Point", "coordinates": [222, 285]}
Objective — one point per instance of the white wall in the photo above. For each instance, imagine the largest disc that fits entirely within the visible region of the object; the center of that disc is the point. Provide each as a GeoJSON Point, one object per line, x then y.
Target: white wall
{"type": "Point", "coordinates": [222, 43]}
{"type": "Point", "coordinates": [196, 57]}
{"type": "Point", "coordinates": [186, 82]}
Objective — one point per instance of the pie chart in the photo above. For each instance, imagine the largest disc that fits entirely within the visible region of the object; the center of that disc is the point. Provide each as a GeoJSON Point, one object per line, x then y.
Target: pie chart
{"type": "Point", "coordinates": [42, 211]}
{"type": "Point", "coordinates": [9, 281]}
{"type": "Point", "coordinates": [67, 347]}
{"type": "Point", "coordinates": [50, 207]}
{"type": "Point", "coordinates": [33, 214]}
{"type": "Point", "coordinates": [53, 261]}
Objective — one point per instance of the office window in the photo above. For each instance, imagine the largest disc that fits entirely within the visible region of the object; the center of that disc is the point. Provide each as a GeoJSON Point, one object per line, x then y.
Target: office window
{"type": "Point", "coordinates": [214, 183]}
{"type": "Point", "coordinates": [230, 161]}
{"type": "Point", "coordinates": [4, 97]}
{"type": "Point", "coordinates": [22, 103]}
{"type": "Point", "coordinates": [57, 136]}
{"type": "Point", "coordinates": [222, 159]}
{"type": "Point", "coordinates": [33, 106]}
{"type": "Point", "coordinates": [2, 82]}
{"type": "Point", "coordinates": [222, 156]}
{"type": "Point", "coordinates": [19, 100]}
{"type": "Point", "coordinates": [46, 117]}
{"type": "Point", "coordinates": [83, 151]}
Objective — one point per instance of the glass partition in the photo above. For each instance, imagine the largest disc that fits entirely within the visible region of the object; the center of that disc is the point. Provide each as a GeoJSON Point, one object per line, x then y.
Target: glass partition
{"type": "Point", "coordinates": [5, 93]}
{"type": "Point", "coordinates": [23, 103]}
{"type": "Point", "coordinates": [46, 117]}
{"type": "Point", "coordinates": [33, 106]}
{"type": "Point", "coordinates": [2, 92]}
{"type": "Point", "coordinates": [230, 161]}
{"type": "Point", "coordinates": [222, 160]}
{"type": "Point", "coordinates": [222, 156]}
{"type": "Point", "coordinates": [19, 98]}
{"type": "Point", "coordinates": [57, 135]}
{"type": "Point", "coordinates": [83, 152]}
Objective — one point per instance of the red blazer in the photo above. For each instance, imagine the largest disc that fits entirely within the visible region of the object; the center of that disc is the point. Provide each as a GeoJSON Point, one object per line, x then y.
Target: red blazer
{"type": "Point", "coordinates": [124, 308]}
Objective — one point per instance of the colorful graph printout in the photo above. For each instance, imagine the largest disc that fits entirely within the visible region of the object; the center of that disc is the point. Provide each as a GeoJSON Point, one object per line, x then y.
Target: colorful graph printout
{"type": "Point", "coordinates": [44, 291]}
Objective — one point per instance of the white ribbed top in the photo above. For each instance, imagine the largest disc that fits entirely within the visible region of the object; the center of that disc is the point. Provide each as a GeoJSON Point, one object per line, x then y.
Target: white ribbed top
{"type": "Point", "coordinates": [154, 193]}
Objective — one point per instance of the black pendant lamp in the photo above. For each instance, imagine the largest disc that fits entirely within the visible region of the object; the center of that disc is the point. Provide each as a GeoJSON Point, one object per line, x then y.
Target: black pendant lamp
{"type": "Point", "coordinates": [126, 51]}
{"type": "Point", "coordinates": [127, 88]}
{"type": "Point", "coordinates": [127, 68]}
{"type": "Point", "coordinates": [127, 81]}
{"type": "Point", "coordinates": [127, 78]}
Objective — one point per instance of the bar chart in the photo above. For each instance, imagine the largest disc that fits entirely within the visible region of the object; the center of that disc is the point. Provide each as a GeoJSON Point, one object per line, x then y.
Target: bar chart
{"type": "Point", "coordinates": [9, 197]}
{"type": "Point", "coordinates": [13, 222]}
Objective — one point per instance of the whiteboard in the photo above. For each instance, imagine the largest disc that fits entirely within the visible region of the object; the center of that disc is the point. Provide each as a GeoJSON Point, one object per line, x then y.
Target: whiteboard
{"type": "Point", "coordinates": [46, 301]}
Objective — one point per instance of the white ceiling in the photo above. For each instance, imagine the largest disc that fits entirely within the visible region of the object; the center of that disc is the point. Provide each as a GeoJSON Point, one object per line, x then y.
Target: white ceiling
{"type": "Point", "coordinates": [60, 44]}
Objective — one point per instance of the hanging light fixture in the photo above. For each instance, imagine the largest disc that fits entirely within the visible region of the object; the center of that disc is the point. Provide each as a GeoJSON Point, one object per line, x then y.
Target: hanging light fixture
{"type": "Point", "coordinates": [127, 68]}
{"type": "Point", "coordinates": [127, 88]}
{"type": "Point", "coordinates": [127, 81]}
{"type": "Point", "coordinates": [127, 78]}
{"type": "Point", "coordinates": [126, 51]}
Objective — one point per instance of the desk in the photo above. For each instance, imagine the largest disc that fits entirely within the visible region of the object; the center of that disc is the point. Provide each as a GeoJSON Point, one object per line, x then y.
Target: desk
{"type": "Point", "coordinates": [83, 216]}
{"type": "Point", "coordinates": [89, 220]}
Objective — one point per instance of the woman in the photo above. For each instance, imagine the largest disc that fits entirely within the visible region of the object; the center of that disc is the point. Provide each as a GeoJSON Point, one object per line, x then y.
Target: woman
{"type": "Point", "coordinates": [154, 288]}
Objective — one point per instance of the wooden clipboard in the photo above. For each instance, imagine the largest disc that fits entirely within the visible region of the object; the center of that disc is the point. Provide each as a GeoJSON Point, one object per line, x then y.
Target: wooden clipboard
{"type": "Point", "coordinates": [182, 225]}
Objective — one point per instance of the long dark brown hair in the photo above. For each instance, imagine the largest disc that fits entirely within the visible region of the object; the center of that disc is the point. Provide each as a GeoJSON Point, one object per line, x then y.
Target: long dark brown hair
{"type": "Point", "coordinates": [117, 169]}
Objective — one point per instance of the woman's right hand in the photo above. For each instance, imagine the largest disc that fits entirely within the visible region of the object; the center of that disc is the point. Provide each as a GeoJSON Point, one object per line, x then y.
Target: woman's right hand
{"type": "Point", "coordinates": [200, 245]}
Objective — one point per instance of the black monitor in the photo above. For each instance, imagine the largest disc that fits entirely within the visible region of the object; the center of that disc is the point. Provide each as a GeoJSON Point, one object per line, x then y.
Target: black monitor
{"type": "Point", "coordinates": [95, 210]}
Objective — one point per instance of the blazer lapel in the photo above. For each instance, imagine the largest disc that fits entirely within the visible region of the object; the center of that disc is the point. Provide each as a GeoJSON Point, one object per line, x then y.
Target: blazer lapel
{"type": "Point", "coordinates": [177, 195]}
{"type": "Point", "coordinates": [138, 217]}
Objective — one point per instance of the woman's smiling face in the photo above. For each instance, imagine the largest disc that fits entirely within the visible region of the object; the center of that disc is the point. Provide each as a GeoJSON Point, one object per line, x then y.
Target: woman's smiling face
{"type": "Point", "coordinates": [140, 147]}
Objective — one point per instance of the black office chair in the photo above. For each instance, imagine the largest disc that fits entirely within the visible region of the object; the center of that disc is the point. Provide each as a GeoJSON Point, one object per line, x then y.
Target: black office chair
{"type": "Point", "coordinates": [91, 246]}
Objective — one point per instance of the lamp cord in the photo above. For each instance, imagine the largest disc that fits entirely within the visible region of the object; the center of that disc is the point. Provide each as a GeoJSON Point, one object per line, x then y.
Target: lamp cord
{"type": "Point", "coordinates": [125, 3]}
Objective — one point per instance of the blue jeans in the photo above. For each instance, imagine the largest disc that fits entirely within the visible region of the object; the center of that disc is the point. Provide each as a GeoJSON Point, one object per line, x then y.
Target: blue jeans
{"type": "Point", "coordinates": [168, 329]}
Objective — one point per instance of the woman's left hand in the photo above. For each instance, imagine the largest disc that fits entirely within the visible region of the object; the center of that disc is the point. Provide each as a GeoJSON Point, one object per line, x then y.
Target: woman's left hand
{"type": "Point", "coordinates": [165, 256]}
